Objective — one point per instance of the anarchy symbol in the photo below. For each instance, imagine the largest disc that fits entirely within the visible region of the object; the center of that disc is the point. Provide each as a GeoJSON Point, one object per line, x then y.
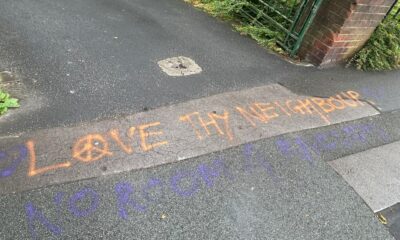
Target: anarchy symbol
{"type": "Point", "coordinates": [90, 148]}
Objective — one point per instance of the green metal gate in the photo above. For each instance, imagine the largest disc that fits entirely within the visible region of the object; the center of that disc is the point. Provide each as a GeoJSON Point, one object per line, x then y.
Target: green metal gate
{"type": "Point", "coordinates": [291, 18]}
{"type": "Point", "coordinates": [394, 11]}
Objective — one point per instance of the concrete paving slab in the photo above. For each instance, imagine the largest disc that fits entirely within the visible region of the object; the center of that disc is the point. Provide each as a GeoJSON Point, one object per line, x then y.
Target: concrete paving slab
{"type": "Point", "coordinates": [167, 134]}
{"type": "Point", "coordinates": [374, 174]}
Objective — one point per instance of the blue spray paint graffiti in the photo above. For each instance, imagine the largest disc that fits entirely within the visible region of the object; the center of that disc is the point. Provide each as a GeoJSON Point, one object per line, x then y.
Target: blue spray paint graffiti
{"type": "Point", "coordinates": [152, 192]}
{"type": "Point", "coordinates": [347, 137]}
{"type": "Point", "coordinates": [291, 150]}
{"type": "Point", "coordinates": [124, 191]}
{"type": "Point", "coordinates": [155, 185]}
{"type": "Point", "coordinates": [188, 192]}
{"type": "Point", "coordinates": [34, 215]}
{"type": "Point", "coordinates": [5, 155]}
{"type": "Point", "coordinates": [131, 200]}
{"type": "Point", "coordinates": [79, 196]}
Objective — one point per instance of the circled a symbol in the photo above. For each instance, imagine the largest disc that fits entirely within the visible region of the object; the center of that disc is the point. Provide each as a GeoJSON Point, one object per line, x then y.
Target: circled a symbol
{"type": "Point", "coordinates": [90, 148]}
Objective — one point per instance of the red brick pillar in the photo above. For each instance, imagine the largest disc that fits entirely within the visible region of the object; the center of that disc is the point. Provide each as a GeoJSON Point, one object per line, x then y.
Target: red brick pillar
{"type": "Point", "coordinates": [340, 29]}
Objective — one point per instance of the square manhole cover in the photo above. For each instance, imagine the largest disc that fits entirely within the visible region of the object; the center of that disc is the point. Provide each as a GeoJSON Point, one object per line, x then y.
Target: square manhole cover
{"type": "Point", "coordinates": [179, 66]}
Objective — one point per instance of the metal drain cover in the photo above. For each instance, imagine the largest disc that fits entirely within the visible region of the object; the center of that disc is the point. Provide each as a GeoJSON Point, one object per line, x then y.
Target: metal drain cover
{"type": "Point", "coordinates": [179, 66]}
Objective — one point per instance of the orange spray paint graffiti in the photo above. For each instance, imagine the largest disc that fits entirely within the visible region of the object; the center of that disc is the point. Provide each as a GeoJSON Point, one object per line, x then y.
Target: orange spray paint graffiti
{"type": "Point", "coordinates": [114, 134]}
{"type": "Point", "coordinates": [265, 112]}
{"type": "Point", "coordinates": [212, 121]}
{"type": "Point", "coordinates": [144, 136]}
{"type": "Point", "coordinates": [91, 147]}
{"type": "Point", "coordinates": [33, 170]}
{"type": "Point", "coordinates": [96, 146]}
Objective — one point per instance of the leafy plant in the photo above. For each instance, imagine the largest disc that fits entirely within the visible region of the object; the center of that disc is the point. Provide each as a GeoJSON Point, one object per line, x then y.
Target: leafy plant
{"type": "Point", "coordinates": [264, 36]}
{"type": "Point", "coordinates": [7, 102]}
{"type": "Point", "coordinates": [225, 9]}
{"type": "Point", "coordinates": [248, 19]}
{"type": "Point", "coordinates": [382, 51]}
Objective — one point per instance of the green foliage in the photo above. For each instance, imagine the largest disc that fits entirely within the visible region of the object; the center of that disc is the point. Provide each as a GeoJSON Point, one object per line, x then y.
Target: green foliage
{"type": "Point", "coordinates": [253, 24]}
{"type": "Point", "coordinates": [264, 36]}
{"type": "Point", "coordinates": [225, 9]}
{"type": "Point", "coordinates": [7, 102]}
{"type": "Point", "coordinates": [382, 51]}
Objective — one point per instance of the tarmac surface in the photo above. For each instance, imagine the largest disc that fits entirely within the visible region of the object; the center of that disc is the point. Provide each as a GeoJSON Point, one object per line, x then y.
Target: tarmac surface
{"type": "Point", "coordinates": [82, 61]}
{"type": "Point", "coordinates": [106, 145]}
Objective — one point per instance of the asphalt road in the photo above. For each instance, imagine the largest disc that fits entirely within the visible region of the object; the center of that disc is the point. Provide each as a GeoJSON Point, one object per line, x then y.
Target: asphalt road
{"type": "Point", "coordinates": [251, 191]}
{"type": "Point", "coordinates": [81, 62]}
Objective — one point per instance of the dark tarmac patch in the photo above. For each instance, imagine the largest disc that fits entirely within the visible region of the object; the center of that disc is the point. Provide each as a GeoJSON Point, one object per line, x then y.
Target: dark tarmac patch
{"type": "Point", "coordinates": [390, 217]}
{"type": "Point", "coordinates": [246, 192]}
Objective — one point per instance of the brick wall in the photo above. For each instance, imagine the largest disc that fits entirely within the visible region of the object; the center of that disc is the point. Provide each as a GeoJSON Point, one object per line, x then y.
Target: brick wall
{"type": "Point", "coordinates": [340, 29]}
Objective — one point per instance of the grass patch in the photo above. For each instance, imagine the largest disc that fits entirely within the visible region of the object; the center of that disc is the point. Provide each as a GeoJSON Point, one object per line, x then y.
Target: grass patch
{"type": "Point", "coordinates": [6, 102]}
{"type": "Point", "coordinates": [382, 51]}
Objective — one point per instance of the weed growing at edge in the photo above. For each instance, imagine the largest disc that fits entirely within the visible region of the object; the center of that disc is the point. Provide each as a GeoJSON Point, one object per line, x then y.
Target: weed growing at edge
{"type": "Point", "coordinates": [7, 102]}
{"type": "Point", "coordinates": [230, 10]}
